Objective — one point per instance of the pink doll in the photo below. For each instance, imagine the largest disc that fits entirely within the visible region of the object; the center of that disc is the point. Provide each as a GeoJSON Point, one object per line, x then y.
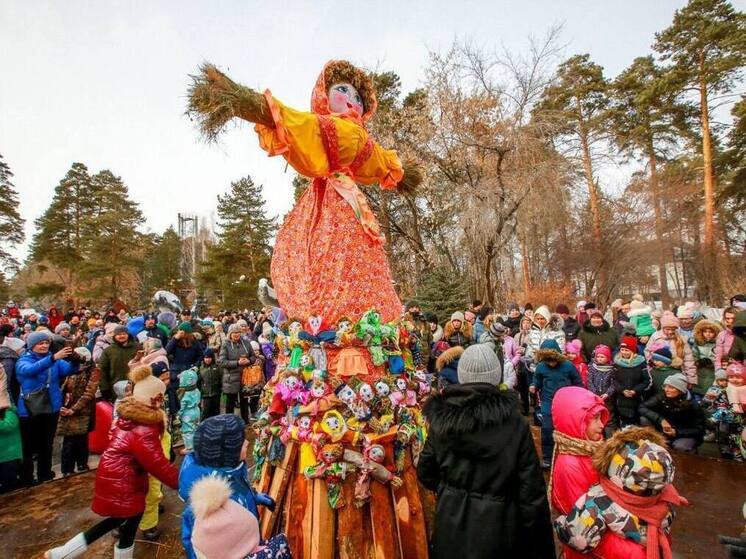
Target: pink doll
{"type": "Point", "coordinates": [403, 395]}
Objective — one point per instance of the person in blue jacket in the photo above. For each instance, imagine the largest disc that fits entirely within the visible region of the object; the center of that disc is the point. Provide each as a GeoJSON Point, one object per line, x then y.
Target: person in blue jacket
{"type": "Point", "coordinates": [37, 369]}
{"type": "Point", "coordinates": [553, 372]}
{"type": "Point", "coordinates": [219, 444]}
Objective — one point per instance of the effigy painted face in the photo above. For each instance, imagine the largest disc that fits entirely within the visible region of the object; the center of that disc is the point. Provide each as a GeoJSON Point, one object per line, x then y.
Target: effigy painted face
{"type": "Point", "coordinates": [346, 394]}
{"type": "Point", "coordinates": [292, 382]}
{"type": "Point", "coordinates": [401, 384]}
{"type": "Point", "coordinates": [344, 97]}
{"type": "Point", "coordinates": [295, 328]}
{"type": "Point", "coordinates": [304, 422]}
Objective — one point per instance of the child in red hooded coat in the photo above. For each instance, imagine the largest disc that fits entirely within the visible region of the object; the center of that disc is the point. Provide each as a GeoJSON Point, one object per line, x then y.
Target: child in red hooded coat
{"type": "Point", "coordinates": [579, 417]}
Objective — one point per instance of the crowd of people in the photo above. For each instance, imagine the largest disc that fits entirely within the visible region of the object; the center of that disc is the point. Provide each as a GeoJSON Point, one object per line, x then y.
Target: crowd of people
{"type": "Point", "coordinates": [638, 378]}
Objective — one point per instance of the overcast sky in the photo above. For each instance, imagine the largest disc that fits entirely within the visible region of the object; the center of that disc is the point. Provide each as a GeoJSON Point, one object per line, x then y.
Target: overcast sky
{"type": "Point", "coordinates": [104, 82]}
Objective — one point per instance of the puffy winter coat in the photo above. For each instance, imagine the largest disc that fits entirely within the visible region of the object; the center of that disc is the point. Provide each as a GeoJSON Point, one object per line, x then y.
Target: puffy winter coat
{"type": "Point", "coordinates": [682, 412]}
{"type": "Point", "coordinates": [230, 352]}
{"type": "Point", "coordinates": [573, 408]}
{"type": "Point", "coordinates": [571, 328]}
{"type": "Point", "coordinates": [79, 396]}
{"type": "Point", "coordinates": [10, 435]}
{"type": "Point", "coordinates": [630, 374]}
{"type": "Point", "coordinates": [537, 336]}
{"type": "Point", "coordinates": [211, 378]}
{"type": "Point", "coordinates": [723, 343]}
{"type": "Point", "coordinates": [592, 336]}
{"type": "Point", "coordinates": [462, 337]}
{"type": "Point", "coordinates": [134, 451]}
{"type": "Point", "coordinates": [548, 380]}
{"type": "Point", "coordinates": [33, 370]}
{"type": "Point", "coordinates": [480, 459]}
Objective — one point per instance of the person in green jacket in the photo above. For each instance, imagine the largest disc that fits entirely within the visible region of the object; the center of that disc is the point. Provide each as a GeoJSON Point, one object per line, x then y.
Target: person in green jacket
{"type": "Point", "coordinates": [10, 439]}
{"type": "Point", "coordinates": [211, 377]}
{"type": "Point", "coordinates": [115, 360]}
{"type": "Point", "coordinates": [597, 331]}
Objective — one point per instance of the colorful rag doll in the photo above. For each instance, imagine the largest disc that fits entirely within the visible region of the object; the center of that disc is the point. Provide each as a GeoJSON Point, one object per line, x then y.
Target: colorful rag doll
{"type": "Point", "coordinates": [333, 470]}
{"type": "Point", "coordinates": [344, 334]}
{"type": "Point", "coordinates": [287, 392]}
{"type": "Point", "coordinates": [189, 413]}
{"type": "Point", "coordinates": [373, 334]}
{"type": "Point", "coordinates": [347, 395]}
{"type": "Point", "coordinates": [332, 217]}
{"type": "Point", "coordinates": [295, 345]}
{"type": "Point", "coordinates": [404, 394]}
{"type": "Point", "coordinates": [302, 432]}
{"type": "Point", "coordinates": [321, 399]}
{"type": "Point", "coordinates": [317, 335]}
{"type": "Point", "coordinates": [369, 465]}
{"type": "Point", "coordinates": [383, 404]}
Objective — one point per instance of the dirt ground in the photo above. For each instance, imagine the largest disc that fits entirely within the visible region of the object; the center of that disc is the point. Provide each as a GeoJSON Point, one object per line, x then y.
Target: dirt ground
{"type": "Point", "coordinates": [36, 519]}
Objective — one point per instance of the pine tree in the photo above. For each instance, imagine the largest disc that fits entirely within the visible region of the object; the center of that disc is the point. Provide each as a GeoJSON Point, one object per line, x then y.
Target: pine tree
{"type": "Point", "coordinates": [648, 121]}
{"type": "Point", "coordinates": [162, 266]}
{"type": "Point", "coordinates": [112, 237]}
{"type": "Point", "coordinates": [576, 109]}
{"type": "Point", "coordinates": [706, 46]}
{"type": "Point", "coordinates": [11, 223]}
{"type": "Point", "coordinates": [241, 256]}
{"type": "Point", "coordinates": [442, 292]}
{"type": "Point", "coordinates": [62, 231]}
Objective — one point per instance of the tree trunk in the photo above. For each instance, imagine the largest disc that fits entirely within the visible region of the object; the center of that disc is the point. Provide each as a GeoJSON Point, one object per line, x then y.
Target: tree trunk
{"type": "Point", "coordinates": [662, 249]}
{"type": "Point", "coordinates": [525, 266]}
{"type": "Point", "coordinates": [594, 199]}
{"type": "Point", "coordinates": [710, 280]}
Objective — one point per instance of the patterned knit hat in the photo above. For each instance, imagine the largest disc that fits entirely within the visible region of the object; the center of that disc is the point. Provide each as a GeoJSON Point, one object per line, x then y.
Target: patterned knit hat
{"type": "Point", "coordinates": [218, 441]}
{"type": "Point", "coordinates": [602, 349]}
{"type": "Point", "coordinates": [641, 468]}
{"type": "Point", "coordinates": [479, 363]}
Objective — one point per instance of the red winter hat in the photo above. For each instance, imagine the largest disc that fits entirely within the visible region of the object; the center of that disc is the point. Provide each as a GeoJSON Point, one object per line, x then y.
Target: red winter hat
{"type": "Point", "coordinates": [629, 342]}
{"type": "Point", "coordinates": [602, 349]}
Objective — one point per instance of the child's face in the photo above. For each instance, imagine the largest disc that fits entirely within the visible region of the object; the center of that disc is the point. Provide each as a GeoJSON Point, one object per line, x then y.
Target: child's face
{"type": "Point", "coordinates": [601, 359]}
{"type": "Point", "coordinates": [735, 380]}
{"type": "Point", "coordinates": [658, 364]}
{"type": "Point", "coordinates": [570, 356]}
{"type": "Point", "coordinates": [595, 429]}
{"type": "Point", "coordinates": [708, 335]}
{"type": "Point", "coordinates": [722, 382]}
{"type": "Point", "coordinates": [625, 353]}
{"type": "Point", "coordinates": [207, 360]}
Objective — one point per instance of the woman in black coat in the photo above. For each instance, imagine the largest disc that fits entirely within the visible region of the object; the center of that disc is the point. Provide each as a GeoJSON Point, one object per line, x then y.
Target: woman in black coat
{"type": "Point", "coordinates": [480, 459]}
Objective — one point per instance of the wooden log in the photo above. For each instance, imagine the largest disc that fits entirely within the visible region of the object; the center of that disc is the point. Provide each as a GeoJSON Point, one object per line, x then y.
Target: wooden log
{"type": "Point", "coordinates": [307, 522]}
{"type": "Point", "coordinates": [278, 488]}
{"type": "Point", "coordinates": [410, 515]}
{"type": "Point", "coordinates": [351, 536]}
{"type": "Point", "coordinates": [383, 520]}
{"type": "Point", "coordinates": [295, 510]}
{"type": "Point", "coordinates": [322, 534]}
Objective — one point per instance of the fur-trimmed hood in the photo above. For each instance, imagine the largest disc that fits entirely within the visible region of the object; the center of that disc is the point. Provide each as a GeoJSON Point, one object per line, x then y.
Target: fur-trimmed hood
{"type": "Point", "coordinates": [463, 412]}
{"type": "Point", "coordinates": [549, 354]}
{"type": "Point", "coordinates": [448, 357]}
{"type": "Point", "coordinates": [132, 412]}
{"type": "Point", "coordinates": [703, 325]}
{"type": "Point", "coordinates": [603, 456]}
{"type": "Point", "coordinates": [466, 329]}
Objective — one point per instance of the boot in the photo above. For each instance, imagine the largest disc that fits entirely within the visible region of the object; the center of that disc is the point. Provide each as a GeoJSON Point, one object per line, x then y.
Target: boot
{"type": "Point", "coordinates": [72, 549]}
{"type": "Point", "coordinates": [127, 553]}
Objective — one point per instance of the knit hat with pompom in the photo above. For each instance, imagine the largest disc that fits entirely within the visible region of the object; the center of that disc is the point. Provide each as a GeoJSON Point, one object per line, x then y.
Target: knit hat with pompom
{"type": "Point", "coordinates": [147, 386]}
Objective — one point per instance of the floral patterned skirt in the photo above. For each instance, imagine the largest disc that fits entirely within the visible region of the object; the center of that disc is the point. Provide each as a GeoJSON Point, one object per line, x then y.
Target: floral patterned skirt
{"type": "Point", "coordinates": [324, 263]}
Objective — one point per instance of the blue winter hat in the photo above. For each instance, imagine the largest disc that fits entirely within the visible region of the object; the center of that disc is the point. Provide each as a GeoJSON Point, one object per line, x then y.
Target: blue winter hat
{"type": "Point", "coordinates": [36, 337]}
{"type": "Point", "coordinates": [209, 352]}
{"type": "Point", "coordinates": [550, 345]}
{"type": "Point", "coordinates": [149, 316]}
{"type": "Point", "coordinates": [43, 320]}
{"type": "Point", "coordinates": [218, 441]}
